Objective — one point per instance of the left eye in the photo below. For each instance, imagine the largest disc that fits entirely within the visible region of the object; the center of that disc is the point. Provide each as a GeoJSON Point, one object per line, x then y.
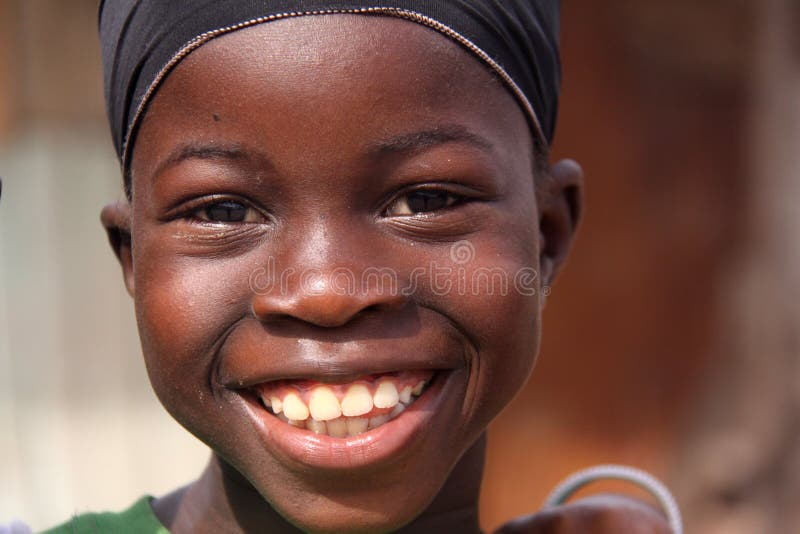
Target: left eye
{"type": "Point", "coordinates": [422, 201]}
{"type": "Point", "coordinates": [227, 211]}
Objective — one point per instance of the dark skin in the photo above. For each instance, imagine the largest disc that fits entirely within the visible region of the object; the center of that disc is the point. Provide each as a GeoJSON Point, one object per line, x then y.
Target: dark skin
{"type": "Point", "coordinates": [340, 142]}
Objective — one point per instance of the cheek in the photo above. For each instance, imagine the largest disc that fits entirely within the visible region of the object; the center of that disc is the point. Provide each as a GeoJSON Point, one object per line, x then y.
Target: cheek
{"type": "Point", "coordinates": [494, 299]}
{"type": "Point", "coordinates": [185, 306]}
{"type": "Point", "coordinates": [507, 326]}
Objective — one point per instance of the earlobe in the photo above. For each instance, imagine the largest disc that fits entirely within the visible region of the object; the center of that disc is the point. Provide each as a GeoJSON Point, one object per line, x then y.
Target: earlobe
{"type": "Point", "coordinates": [116, 219]}
{"type": "Point", "coordinates": [560, 207]}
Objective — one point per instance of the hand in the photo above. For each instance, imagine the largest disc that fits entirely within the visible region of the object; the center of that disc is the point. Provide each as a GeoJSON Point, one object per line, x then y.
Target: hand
{"type": "Point", "coordinates": [601, 514]}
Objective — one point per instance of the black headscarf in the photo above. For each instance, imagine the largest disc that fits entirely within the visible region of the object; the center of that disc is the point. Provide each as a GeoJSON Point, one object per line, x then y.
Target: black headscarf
{"type": "Point", "coordinates": [142, 40]}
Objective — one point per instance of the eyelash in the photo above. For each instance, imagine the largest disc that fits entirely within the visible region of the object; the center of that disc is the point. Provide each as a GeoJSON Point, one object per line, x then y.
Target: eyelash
{"type": "Point", "coordinates": [198, 211]}
{"type": "Point", "coordinates": [451, 199]}
{"type": "Point", "coordinates": [195, 210]}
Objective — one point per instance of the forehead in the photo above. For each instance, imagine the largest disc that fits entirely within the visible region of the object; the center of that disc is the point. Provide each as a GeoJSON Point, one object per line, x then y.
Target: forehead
{"type": "Point", "coordinates": [329, 79]}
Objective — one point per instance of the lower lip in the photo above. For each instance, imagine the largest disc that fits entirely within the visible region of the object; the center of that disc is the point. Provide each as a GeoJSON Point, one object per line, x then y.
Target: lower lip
{"type": "Point", "coordinates": [384, 444]}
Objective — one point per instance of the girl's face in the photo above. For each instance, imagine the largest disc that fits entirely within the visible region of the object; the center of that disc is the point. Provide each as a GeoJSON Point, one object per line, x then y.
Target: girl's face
{"type": "Point", "coordinates": [328, 202]}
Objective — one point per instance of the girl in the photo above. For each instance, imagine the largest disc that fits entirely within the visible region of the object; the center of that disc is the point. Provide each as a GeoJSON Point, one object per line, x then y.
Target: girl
{"type": "Point", "coordinates": [339, 220]}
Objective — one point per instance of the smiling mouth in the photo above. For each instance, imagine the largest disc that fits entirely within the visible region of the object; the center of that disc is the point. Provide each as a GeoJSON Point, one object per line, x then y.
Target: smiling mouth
{"type": "Point", "coordinates": [343, 410]}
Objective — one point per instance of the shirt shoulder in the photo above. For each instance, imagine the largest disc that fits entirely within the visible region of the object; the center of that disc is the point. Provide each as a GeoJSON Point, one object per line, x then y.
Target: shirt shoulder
{"type": "Point", "coordinates": [138, 519]}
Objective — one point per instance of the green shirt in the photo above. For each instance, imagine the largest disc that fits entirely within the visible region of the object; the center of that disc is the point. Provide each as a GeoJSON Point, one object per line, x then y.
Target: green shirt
{"type": "Point", "coordinates": [138, 519]}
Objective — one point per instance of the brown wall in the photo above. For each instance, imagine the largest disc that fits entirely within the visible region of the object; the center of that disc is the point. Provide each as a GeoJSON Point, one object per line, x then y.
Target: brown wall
{"type": "Point", "coordinates": [653, 107]}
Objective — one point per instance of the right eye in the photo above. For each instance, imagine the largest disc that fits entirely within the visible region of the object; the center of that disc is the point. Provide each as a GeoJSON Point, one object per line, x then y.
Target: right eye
{"type": "Point", "coordinates": [226, 211]}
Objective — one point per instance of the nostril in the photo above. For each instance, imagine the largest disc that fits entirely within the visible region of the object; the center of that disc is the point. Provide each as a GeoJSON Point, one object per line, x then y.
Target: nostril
{"type": "Point", "coordinates": [372, 308]}
{"type": "Point", "coordinates": [385, 305]}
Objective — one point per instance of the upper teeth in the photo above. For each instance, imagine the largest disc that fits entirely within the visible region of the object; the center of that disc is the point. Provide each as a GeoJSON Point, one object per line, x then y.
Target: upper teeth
{"type": "Point", "coordinates": [342, 410]}
{"type": "Point", "coordinates": [294, 408]}
{"type": "Point", "coordinates": [386, 395]}
{"type": "Point", "coordinates": [357, 401]}
{"type": "Point", "coordinates": [324, 405]}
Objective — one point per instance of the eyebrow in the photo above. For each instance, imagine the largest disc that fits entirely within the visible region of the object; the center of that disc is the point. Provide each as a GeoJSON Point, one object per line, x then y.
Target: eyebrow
{"type": "Point", "coordinates": [202, 151]}
{"type": "Point", "coordinates": [421, 140]}
{"type": "Point", "coordinates": [410, 142]}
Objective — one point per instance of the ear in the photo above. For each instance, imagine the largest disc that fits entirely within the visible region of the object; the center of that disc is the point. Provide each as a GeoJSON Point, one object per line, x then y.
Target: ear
{"type": "Point", "coordinates": [116, 219]}
{"type": "Point", "coordinates": [560, 204]}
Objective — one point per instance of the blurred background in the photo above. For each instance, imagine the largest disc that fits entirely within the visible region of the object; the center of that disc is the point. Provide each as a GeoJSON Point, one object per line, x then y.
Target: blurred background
{"type": "Point", "coordinates": [671, 341]}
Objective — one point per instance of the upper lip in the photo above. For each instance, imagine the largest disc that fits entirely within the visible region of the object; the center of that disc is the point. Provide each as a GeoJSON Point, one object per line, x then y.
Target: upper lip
{"type": "Point", "coordinates": [250, 357]}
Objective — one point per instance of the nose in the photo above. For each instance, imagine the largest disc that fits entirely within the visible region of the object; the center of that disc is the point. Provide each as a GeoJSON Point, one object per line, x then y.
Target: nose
{"type": "Point", "coordinates": [327, 310]}
{"type": "Point", "coordinates": [327, 295]}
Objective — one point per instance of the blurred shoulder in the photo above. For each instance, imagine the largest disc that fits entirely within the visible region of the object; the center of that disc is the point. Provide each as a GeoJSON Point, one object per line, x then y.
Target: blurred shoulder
{"type": "Point", "coordinates": [601, 514]}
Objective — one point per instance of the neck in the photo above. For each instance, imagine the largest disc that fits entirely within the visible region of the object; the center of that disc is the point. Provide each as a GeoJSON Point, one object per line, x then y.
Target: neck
{"type": "Point", "coordinates": [222, 500]}
{"type": "Point", "coordinates": [455, 507]}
